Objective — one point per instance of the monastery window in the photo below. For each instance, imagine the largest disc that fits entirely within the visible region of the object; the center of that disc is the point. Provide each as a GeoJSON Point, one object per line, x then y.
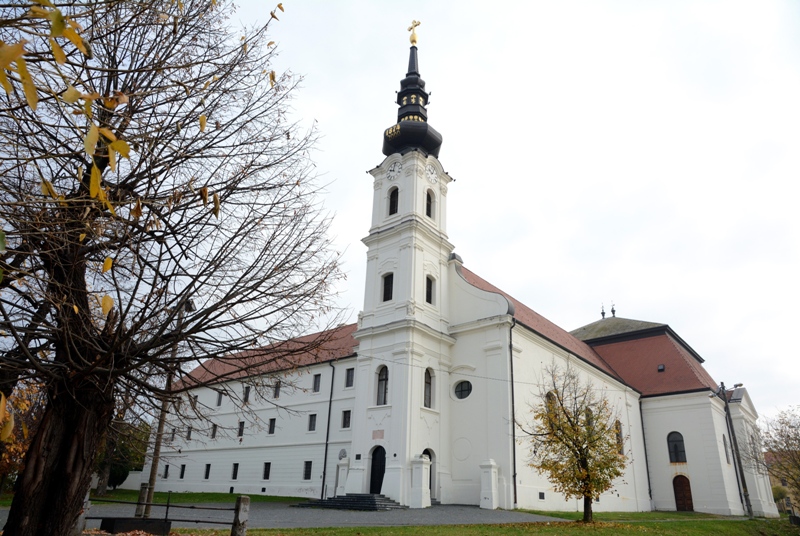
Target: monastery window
{"type": "Point", "coordinates": [725, 446]}
{"type": "Point", "coordinates": [271, 429]}
{"type": "Point", "coordinates": [189, 432]}
{"type": "Point", "coordinates": [219, 399]}
{"type": "Point", "coordinates": [429, 202]}
{"type": "Point", "coordinates": [267, 468]}
{"type": "Point", "coordinates": [276, 391]}
{"type": "Point", "coordinates": [677, 452]}
{"type": "Point", "coordinates": [317, 381]}
{"type": "Point", "coordinates": [246, 397]}
{"type": "Point", "coordinates": [428, 398]}
{"type": "Point", "coordinates": [346, 419]}
{"type": "Point", "coordinates": [172, 436]}
{"type": "Point", "coordinates": [306, 470]}
{"type": "Point", "coordinates": [394, 197]}
{"type": "Point", "coordinates": [620, 439]}
{"type": "Point", "coordinates": [383, 386]}
{"type": "Point", "coordinates": [183, 471]}
{"type": "Point", "coordinates": [388, 286]}
{"type": "Point", "coordinates": [166, 471]}
{"type": "Point", "coordinates": [463, 389]}
{"type": "Point", "coordinates": [213, 431]}
{"type": "Point", "coordinates": [312, 422]}
{"type": "Point", "coordinates": [240, 432]}
{"type": "Point", "coordinates": [590, 420]}
{"type": "Point", "coordinates": [207, 472]}
{"type": "Point", "coordinates": [235, 471]}
{"type": "Point", "coordinates": [429, 288]}
{"type": "Point", "coordinates": [349, 377]}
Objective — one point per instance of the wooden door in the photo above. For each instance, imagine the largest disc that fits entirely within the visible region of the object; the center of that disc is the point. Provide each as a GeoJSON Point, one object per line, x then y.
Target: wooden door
{"type": "Point", "coordinates": [683, 494]}
{"type": "Point", "coordinates": [378, 468]}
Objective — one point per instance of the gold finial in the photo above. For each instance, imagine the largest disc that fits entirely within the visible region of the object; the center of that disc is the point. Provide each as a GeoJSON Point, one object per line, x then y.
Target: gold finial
{"type": "Point", "coordinates": [413, 30]}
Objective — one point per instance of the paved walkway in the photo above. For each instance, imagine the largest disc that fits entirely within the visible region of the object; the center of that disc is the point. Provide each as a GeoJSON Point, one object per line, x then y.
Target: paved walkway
{"type": "Point", "coordinates": [281, 515]}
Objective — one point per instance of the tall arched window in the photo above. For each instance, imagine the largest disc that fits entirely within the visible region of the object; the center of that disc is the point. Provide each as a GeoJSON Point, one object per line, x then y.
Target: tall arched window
{"type": "Point", "coordinates": [725, 446]}
{"type": "Point", "coordinates": [429, 290]}
{"type": "Point", "coordinates": [428, 398]}
{"type": "Point", "coordinates": [551, 404]}
{"type": "Point", "coordinates": [388, 286]}
{"type": "Point", "coordinates": [677, 452]}
{"type": "Point", "coordinates": [394, 196]}
{"type": "Point", "coordinates": [620, 439]}
{"type": "Point", "coordinates": [383, 386]}
{"type": "Point", "coordinates": [429, 199]}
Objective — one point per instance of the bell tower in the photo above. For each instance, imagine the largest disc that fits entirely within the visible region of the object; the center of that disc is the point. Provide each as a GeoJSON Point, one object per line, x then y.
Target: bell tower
{"type": "Point", "coordinates": [404, 346]}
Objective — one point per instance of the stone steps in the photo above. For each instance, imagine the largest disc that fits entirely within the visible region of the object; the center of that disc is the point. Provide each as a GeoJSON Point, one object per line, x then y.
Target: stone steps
{"type": "Point", "coordinates": [355, 501]}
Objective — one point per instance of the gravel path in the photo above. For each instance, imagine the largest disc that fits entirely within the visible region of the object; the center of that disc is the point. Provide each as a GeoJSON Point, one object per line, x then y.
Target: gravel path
{"type": "Point", "coordinates": [282, 515]}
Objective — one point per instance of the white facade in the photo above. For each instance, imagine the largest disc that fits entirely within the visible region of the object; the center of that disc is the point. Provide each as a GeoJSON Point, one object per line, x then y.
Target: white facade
{"type": "Point", "coordinates": [424, 330]}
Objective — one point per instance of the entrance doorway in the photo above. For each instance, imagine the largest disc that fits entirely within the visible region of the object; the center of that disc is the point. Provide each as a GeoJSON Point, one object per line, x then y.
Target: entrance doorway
{"type": "Point", "coordinates": [378, 468]}
{"type": "Point", "coordinates": [683, 494]}
{"type": "Point", "coordinates": [432, 458]}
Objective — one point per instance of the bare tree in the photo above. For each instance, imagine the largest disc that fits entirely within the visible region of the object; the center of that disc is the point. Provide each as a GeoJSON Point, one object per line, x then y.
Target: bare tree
{"type": "Point", "coordinates": [576, 437]}
{"type": "Point", "coordinates": [774, 449]}
{"type": "Point", "coordinates": [146, 159]}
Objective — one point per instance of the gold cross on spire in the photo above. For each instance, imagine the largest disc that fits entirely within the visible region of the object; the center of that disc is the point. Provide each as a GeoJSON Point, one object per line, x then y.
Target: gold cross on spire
{"type": "Point", "coordinates": [413, 30]}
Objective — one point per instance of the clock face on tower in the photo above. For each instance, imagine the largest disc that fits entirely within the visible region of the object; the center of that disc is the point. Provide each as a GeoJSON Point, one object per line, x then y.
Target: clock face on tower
{"type": "Point", "coordinates": [394, 170]}
{"type": "Point", "coordinates": [430, 173]}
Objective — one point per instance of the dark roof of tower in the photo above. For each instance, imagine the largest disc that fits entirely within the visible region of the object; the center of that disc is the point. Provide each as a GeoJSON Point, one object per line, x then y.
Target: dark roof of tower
{"type": "Point", "coordinates": [412, 131]}
{"type": "Point", "coordinates": [608, 327]}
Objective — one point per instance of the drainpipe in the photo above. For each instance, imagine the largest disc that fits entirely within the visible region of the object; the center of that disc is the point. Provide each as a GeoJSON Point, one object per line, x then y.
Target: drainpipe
{"type": "Point", "coordinates": [327, 435]}
{"type": "Point", "coordinates": [513, 411]}
{"type": "Point", "coordinates": [646, 463]}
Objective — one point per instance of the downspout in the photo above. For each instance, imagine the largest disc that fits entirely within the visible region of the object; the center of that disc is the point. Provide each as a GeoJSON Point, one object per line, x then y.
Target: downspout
{"type": "Point", "coordinates": [327, 434]}
{"type": "Point", "coordinates": [513, 410]}
{"type": "Point", "coordinates": [646, 462]}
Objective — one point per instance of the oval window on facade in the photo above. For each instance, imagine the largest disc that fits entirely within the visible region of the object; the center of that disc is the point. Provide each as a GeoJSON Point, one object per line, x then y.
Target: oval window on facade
{"type": "Point", "coordinates": [463, 389]}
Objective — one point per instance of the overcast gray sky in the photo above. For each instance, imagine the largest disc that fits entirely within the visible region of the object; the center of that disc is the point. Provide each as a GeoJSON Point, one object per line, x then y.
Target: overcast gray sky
{"type": "Point", "coordinates": [636, 152]}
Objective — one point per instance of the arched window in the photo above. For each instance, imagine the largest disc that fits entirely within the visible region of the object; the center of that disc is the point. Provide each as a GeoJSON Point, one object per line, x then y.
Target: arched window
{"type": "Point", "coordinates": [551, 404]}
{"type": "Point", "coordinates": [388, 286]}
{"type": "Point", "coordinates": [383, 386]}
{"type": "Point", "coordinates": [620, 439]}
{"type": "Point", "coordinates": [725, 446]}
{"type": "Point", "coordinates": [428, 398]}
{"type": "Point", "coordinates": [677, 452]}
{"type": "Point", "coordinates": [394, 196]}
{"type": "Point", "coordinates": [429, 290]}
{"type": "Point", "coordinates": [429, 199]}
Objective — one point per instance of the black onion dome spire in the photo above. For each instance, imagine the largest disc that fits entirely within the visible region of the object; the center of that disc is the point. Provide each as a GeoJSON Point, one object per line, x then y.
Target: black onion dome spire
{"type": "Point", "coordinates": [412, 130]}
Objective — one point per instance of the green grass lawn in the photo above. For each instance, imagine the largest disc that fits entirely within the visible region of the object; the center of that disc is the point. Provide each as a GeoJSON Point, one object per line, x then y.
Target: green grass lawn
{"type": "Point", "coordinates": [193, 498]}
{"type": "Point", "coordinates": [682, 526]}
{"type": "Point", "coordinates": [177, 498]}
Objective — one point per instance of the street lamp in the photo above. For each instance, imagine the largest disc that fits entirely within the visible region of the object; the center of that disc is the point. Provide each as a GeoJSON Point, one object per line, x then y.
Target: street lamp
{"type": "Point", "coordinates": [721, 393]}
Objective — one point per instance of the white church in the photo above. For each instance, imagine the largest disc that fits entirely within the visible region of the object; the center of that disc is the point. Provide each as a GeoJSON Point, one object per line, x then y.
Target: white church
{"type": "Point", "coordinates": [418, 400]}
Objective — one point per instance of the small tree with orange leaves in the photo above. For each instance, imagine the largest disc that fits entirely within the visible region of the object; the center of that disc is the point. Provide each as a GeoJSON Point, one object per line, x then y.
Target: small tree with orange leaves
{"type": "Point", "coordinates": [576, 438]}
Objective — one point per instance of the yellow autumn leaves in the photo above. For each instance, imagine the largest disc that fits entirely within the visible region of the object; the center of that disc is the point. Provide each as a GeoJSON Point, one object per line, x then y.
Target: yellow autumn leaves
{"type": "Point", "coordinates": [8, 425]}
{"type": "Point", "coordinates": [11, 54]}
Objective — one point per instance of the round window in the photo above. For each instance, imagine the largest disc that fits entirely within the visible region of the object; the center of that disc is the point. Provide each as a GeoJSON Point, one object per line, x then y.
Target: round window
{"type": "Point", "coordinates": [463, 389]}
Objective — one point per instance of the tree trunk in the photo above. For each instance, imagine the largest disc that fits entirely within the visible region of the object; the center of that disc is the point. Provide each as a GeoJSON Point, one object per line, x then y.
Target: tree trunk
{"type": "Point", "coordinates": [49, 493]}
{"type": "Point", "coordinates": [587, 509]}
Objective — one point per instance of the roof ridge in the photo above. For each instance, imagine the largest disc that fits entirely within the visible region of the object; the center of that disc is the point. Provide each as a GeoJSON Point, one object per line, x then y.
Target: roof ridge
{"type": "Point", "coordinates": [690, 360]}
{"type": "Point", "coordinates": [579, 348]}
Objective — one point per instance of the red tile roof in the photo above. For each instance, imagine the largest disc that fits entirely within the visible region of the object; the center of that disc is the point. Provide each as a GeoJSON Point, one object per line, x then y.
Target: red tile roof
{"type": "Point", "coordinates": [544, 327]}
{"type": "Point", "coordinates": [303, 351]}
{"type": "Point", "coordinates": [637, 361]}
